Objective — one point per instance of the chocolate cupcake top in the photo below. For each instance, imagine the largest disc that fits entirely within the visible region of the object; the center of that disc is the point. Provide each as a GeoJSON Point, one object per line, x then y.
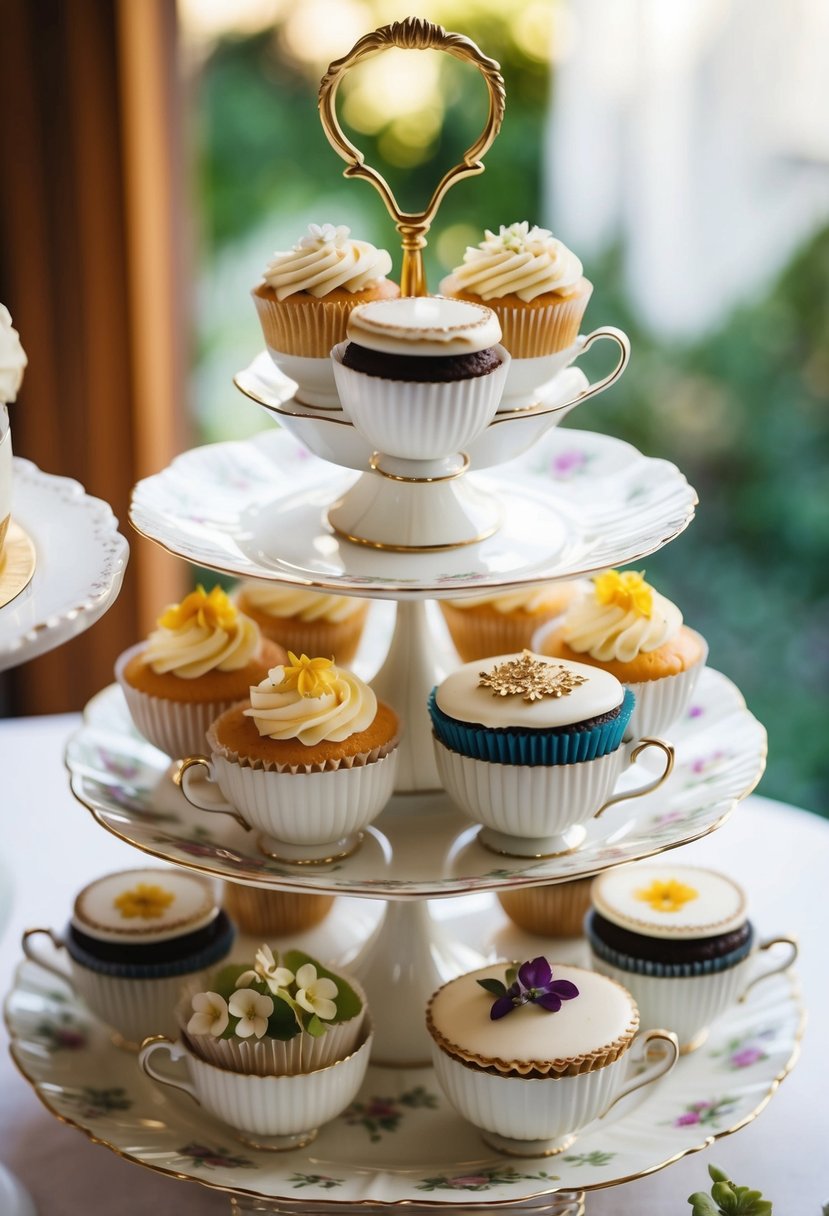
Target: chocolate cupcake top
{"type": "Point", "coordinates": [428, 326]}
{"type": "Point", "coordinates": [671, 902]}
{"type": "Point", "coordinates": [528, 691]}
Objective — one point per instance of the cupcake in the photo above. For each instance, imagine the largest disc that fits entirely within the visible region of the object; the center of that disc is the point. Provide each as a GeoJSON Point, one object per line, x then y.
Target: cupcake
{"type": "Point", "coordinates": [622, 625]}
{"type": "Point", "coordinates": [679, 938]}
{"type": "Point", "coordinates": [262, 913]}
{"type": "Point", "coordinates": [553, 910]}
{"type": "Point", "coordinates": [12, 365]}
{"type": "Point", "coordinates": [532, 1053]}
{"type": "Point", "coordinates": [274, 1050]}
{"type": "Point", "coordinates": [484, 625]}
{"type": "Point", "coordinates": [309, 760]}
{"type": "Point", "coordinates": [305, 299]}
{"type": "Point", "coordinates": [202, 658]}
{"type": "Point", "coordinates": [307, 622]}
{"type": "Point", "coordinates": [134, 937]}
{"type": "Point", "coordinates": [535, 286]}
{"type": "Point", "coordinates": [532, 748]}
{"type": "Point", "coordinates": [420, 377]}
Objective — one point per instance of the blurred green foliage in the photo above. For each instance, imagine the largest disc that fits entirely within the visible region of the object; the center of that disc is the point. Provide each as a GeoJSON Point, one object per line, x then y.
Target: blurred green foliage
{"type": "Point", "coordinates": [743, 413]}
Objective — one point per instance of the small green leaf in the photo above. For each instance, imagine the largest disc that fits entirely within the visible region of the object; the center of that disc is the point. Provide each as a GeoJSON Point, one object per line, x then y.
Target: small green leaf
{"type": "Point", "coordinates": [717, 1175]}
{"type": "Point", "coordinates": [315, 1027]}
{"type": "Point", "coordinates": [702, 1204]}
{"type": "Point", "coordinates": [494, 986]}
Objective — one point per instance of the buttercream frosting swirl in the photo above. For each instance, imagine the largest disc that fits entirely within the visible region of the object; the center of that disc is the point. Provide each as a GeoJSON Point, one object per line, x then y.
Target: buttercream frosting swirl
{"type": "Point", "coordinates": [323, 260]}
{"type": "Point", "coordinates": [535, 599]}
{"type": "Point", "coordinates": [619, 617]}
{"type": "Point", "coordinates": [519, 260]}
{"type": "Point", "coordinates": [285, 602]}
{"type": "Point", "coordinates": [12, 358]}
{"type": "Point", "coordinates": [205, 632]}
{"type": "Point", "coordinates": [311, 700]}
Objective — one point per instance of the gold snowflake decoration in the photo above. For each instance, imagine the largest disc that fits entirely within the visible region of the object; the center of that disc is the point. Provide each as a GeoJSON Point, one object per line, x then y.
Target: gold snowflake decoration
{"type": "Point", "coordinates": [530, 678]}
{"type": "Point", "coordinates": [147, 900]}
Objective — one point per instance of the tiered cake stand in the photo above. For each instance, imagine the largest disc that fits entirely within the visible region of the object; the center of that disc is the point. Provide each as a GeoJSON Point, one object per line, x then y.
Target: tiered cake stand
{"type": "Point", "coordinates": [565, 504]}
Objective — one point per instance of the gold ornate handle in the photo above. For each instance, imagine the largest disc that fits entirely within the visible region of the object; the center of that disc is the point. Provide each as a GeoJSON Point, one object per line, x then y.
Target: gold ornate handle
{"type": "Point", "coordinates": [182, 778]}
{"type": "Point", "coordinates": [783, 963]}
{"type": "Point", "coordinates": [643, 744]}
{"type": "Point", "coordinates": [660, 1065]}
{"type": "Point", "coordinates": [412, 34]}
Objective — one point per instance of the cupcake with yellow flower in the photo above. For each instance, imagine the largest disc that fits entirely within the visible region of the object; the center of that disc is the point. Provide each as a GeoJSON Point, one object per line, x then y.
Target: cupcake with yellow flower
{"type": "Point", "coordinates": [625, 627]}
{"type": "Point", "coordinates": [505, 621]}
{"type": "Point", "coordinates": [202, 658]}
{"type": "Point", "coordinates": [309, 760]}
{"type": "Point", "coordinates": [307, 622]}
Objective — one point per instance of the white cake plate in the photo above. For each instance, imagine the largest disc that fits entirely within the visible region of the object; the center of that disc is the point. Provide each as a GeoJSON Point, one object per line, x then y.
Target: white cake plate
{"type": "Point", "coordinates": [81, 558]}
{"type": "Point", "coordinates": [575, 503]}
{"type": "Point", "coordinates": [400, 1142]}
{"type": "Point", "coordinates": [421, 845]}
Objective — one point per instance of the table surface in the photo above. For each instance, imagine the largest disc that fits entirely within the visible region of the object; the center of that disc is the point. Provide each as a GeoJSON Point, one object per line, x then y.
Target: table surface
{"type": "Point", "coordinates": [52, 847]}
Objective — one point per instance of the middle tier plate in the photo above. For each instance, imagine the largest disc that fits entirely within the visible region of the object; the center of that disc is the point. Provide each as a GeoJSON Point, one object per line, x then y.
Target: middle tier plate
{"type": "Point", "coordinates": [575, 503]}
{"type": "Point", "coordinates": [421, 845]}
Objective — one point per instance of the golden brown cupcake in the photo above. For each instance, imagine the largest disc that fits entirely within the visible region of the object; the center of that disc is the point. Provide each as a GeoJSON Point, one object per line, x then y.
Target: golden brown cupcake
{"type": "Point", "coordinates": [262, 913]}
{"type": "Point", "coordinates": [555, 910]}
{"type": "Point", "coordinates": [306, 622]}
{"type": "Point", "coordinates": [203, 657]}
{"type": "Point", "coordinates": [506, 622]}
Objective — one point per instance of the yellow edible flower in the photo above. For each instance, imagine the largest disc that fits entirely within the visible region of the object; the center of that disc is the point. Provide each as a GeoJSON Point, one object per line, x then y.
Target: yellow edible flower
{"type": "Point", "coordinates": [628, 591]}
{"type": "Point", "coordinates": [213, 611]}
{"type": "Point", "coordinates": [310, 677]}
{"type": "Point", "coordinates": [666, 895]}
{"type": "Point", "coordinates": [147, 900]}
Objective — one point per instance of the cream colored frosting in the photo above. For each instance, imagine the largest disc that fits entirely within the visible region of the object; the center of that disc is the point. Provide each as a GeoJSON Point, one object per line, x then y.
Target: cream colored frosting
{"type": "Point", "coordinates": [346, 707]}
{"type": "Point", "coordinates": [203, 633]}
{"type": "Point", "coordinates": [537, 599]}
{"type": "Point", "coordinates": [145, 905]}
{"type": "Point", "coordinates": [326, 259]}
{"type": "Point", "coordinates": [12, 358]}
{"type": "Point", "coordinates": [424, 325]}
{"type": "Point", "coordinates": [296, 602]}
{"type": "Point", "coordinates": [620, 631]}
{"type": "Point", "coordinates": [461, 697]}
{"type": "Point", "coordinates": [519, 260]}
{"type": "Point", "coordinates": [598, 1016]}
{"type": "Point", "coordinates": [670, 901]}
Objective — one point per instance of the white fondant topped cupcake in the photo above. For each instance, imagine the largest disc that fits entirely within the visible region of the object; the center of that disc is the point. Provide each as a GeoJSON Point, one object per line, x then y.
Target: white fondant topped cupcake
{"type": "Point", "coordinates": [678, 902]}
{"type": "Point", "coordinates": [424, 325]}
{"type": "Point", "coordinates": [143, 906]}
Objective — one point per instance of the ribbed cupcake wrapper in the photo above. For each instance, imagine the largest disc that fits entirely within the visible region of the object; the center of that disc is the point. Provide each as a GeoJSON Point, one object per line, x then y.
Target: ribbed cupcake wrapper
{"type": "Point", "coordinates": [660, 703]}
{"type": "Point", "coordinates": [135, 1008]}
{"type": "Point", "coordinates": [660, 970]}
{"type": "Point", "coordinates": [480, 637]}
{"type": "Point", "coordinates": [265, 914]}
{"type": "Point", "coordinates": [329, 639]}
{"type": "Point", "coordinates": [530, 747]}
{"type": "Point", "coordinates": [178, 728]}
{"type": "Point", "coordinates": [309, 329]}
{"type": "Point", "coordinates": [551, 911]}
{"type": "Point", "coordinates": [335, 764]}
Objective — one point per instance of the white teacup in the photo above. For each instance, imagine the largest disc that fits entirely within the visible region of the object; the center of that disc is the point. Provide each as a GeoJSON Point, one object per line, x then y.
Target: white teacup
{"type": "Point", "coordinates": [276, 1112]}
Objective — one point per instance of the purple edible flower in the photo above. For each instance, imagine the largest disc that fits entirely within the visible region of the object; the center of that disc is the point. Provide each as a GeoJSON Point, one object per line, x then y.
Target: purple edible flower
{"type": "Point", "coordinates": [533, 983]}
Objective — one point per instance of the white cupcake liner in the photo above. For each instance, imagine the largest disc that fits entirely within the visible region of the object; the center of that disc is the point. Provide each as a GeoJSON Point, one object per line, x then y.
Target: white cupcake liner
{"type": "Point", "coordinates": [660, 703]}
{"type": "Point", "coordinates": [178, 728]}
{"type": "Point", "coordinates": [534, 330]}
{"type": "Point", "coordinates": [307, 330]}
{"type": "Point", "coordinates": [481, 636]}
{"type": "Point", "coordinates": [416, 420]}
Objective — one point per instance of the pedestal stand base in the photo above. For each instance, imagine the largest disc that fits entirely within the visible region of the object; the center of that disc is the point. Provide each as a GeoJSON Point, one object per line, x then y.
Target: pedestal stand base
{"type": "Point", "coordinates": [14, 1201]}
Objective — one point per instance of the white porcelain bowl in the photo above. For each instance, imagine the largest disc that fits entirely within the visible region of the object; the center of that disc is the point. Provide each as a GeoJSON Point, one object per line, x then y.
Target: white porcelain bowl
{"type": "Point", "coordinates": [314, 378]}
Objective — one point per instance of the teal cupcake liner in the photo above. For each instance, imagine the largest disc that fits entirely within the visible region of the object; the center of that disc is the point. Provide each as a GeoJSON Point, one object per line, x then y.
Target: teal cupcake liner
{"type": "Point", "coordinates": [641, 966]}
{"type": "Point", "coordinates": [530, 747]}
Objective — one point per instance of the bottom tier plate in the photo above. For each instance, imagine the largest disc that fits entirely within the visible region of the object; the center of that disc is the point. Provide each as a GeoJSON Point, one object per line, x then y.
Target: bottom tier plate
{"type": "Point", "coordinates": [400, 1142]}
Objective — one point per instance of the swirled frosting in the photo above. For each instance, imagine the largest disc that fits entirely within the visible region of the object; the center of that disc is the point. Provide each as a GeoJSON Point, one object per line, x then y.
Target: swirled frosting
{"type": "Point", "coordinates": [311, 700]}
{"type": "Point", "coordinates": [620, 617]}
{"type": "Point", "coordinates": [296, 602]}
{"type": "Point", "coordinates": [536, 599]}
{"type": "Point", "coordinates": [12, 358]}
{"type": "Point", "coordinates": [519, 260]}
{"type": "Point", "coordinates": [323, 260]}
{"type": "Point", "coordinates": [203, 633]}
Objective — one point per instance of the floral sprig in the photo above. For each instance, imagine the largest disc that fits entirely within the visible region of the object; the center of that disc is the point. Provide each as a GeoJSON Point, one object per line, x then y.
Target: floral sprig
{"type": "Point", "coordinates": [530, 983]}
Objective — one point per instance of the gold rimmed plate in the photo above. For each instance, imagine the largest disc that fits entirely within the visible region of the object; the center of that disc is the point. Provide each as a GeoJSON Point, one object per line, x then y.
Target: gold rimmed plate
{"type": "Point", "coordinates": [17, 563]}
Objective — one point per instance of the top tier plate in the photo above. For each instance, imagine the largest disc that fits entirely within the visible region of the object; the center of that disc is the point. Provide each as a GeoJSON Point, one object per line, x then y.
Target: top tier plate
{"type": "Point", "coordinates": [577, 502]}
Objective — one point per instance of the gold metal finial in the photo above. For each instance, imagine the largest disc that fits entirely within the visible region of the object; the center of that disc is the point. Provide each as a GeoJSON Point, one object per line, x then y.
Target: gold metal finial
{"type": "Point", "coordinates": [413, 34]}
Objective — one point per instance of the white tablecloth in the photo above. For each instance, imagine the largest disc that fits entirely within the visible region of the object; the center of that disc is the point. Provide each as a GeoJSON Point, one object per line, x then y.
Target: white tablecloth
{"type": "Point", "coordinates": [52, 847]}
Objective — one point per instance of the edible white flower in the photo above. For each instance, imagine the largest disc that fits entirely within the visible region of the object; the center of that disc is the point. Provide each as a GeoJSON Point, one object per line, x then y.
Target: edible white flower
{"type": "Point", "coordinates": [315, 993]}
{"type": "Point", "coordinates": [253, 1010]}
{"type": "Point", "coordinates": [210, 1014]}
{"type": "Point", "coordinates": [267, 970]}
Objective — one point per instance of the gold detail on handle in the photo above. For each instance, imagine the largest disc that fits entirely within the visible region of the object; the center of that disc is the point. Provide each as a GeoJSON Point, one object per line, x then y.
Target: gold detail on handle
{"type": "Point", "coordinates": [178, 778]}
{"type": "Point", "coordinates": [413, 34]}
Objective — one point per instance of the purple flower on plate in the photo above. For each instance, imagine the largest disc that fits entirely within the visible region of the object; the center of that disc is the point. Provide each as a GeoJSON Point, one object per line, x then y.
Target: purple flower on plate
{"type": "Point", "coordinates": [747, 1056]}
{"type": "Point", "coordinates": [531, 983]}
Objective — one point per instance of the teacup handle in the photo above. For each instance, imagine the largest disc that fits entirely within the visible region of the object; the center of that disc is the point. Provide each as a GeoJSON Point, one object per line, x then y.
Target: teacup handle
{"type": "Point", "coordinates": [659, 1068]}
{"type": "Point", "coordinates": [217, 806]}
{"type": "Point", "coordinates": [650, 786]}
{"type": "Point", "coordinates": [775, 968]}
{"type": "Point", "coordinates": [614, 335]}
{"type": "Point", "coordinates": [34, 955]}
{"type": "Point", "coordinates": [160, 1042]}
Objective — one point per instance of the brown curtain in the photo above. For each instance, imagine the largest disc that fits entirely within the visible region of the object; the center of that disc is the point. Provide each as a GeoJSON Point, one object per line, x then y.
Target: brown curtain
{"type": "Point", "coordinates": [91, 270]}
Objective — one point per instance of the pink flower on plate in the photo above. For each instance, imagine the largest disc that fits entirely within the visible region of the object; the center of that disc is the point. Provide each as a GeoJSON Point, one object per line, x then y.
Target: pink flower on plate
{"type": "Point", "coordinates": [687, 1119]}
{"type": "Point", "coordinates": [462, 1181]}
{"type": "Point", "coordinates": [747, 1056]}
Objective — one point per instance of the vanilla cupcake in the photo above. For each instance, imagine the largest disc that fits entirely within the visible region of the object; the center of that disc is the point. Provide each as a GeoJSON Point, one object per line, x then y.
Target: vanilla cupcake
{"type": "Point", "coordinates": [552, 910]}
{"type": "Point", "coordinates": [484, 625]}
{"type": "Point", "coordinates": [306, 622]}
{"type": "Point", "coordinates": [309, 760]}
{"type": "Point", "coordinates": [306, 297]}
{"type": "Point", "coordinates": [202, 658]}
{"type": "Point", "coordinates": [12, 365]}
{"type": "Point", "coordinates": [260, 912]}
{"type": "Point", "coordinates": [623, 626]}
